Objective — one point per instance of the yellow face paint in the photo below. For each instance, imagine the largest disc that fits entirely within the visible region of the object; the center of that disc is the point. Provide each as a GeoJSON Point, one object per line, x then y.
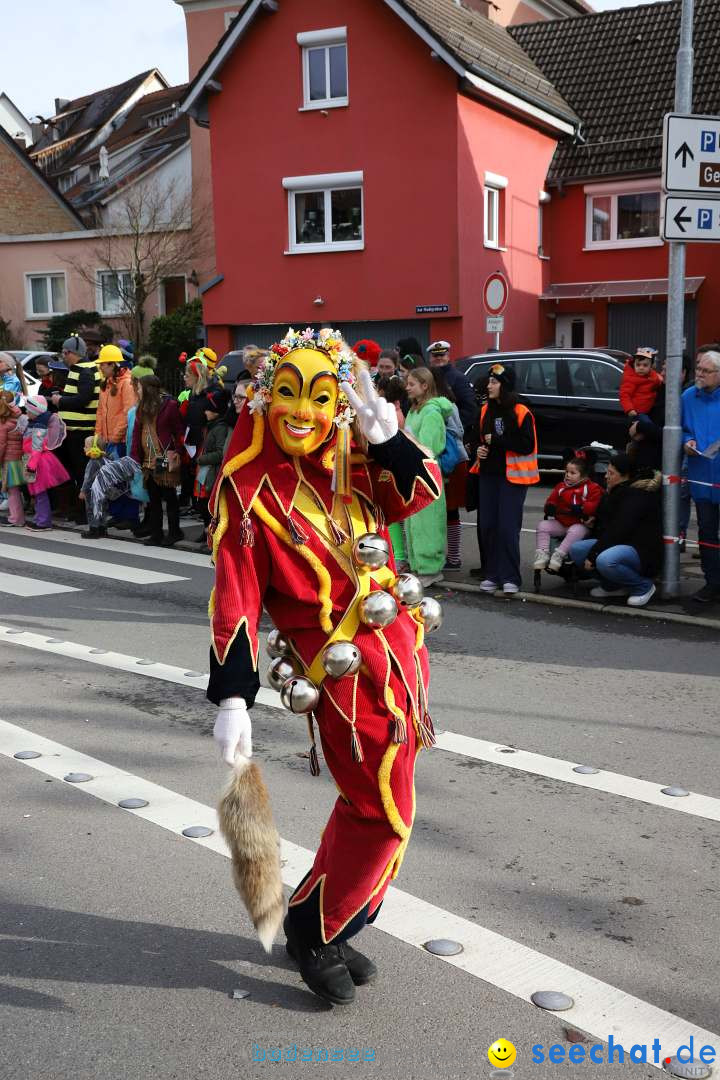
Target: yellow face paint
{"type": "Point", "coordinates": [304, 401]}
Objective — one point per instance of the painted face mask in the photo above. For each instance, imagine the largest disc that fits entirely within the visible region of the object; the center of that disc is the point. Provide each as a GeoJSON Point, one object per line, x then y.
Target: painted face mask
{"type": "Point", "coordinates": [303, 402]}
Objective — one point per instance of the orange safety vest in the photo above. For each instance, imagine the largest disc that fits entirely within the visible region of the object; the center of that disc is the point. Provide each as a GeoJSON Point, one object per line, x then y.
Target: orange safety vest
{"type": "Point", "coordinates": [520, 468]}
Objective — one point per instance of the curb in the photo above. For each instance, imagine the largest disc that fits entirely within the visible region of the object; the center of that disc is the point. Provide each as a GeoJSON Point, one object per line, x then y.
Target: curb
{"type": "Point", "coordinates": [588, 605]}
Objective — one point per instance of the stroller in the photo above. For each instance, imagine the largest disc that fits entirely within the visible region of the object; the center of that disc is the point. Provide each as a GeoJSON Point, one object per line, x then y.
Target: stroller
{"type": "Point", "coordinates": [598, 455]}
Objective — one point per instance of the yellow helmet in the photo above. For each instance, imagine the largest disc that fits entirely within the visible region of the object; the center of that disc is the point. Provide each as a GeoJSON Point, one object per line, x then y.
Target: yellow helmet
{"type": "Point", "coordinates": [110, 354]}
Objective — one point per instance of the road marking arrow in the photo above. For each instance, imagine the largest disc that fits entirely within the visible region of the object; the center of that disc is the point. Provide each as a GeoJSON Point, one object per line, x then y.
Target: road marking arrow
{"type": "Point", "coordinates": [686, 153]}
{"type": "Point", "coordinates": [678, 219]}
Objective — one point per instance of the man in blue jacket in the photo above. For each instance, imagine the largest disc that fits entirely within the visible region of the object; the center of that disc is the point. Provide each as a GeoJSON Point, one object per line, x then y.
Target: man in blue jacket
{"type": "Point", "coordinates": [701, 436]}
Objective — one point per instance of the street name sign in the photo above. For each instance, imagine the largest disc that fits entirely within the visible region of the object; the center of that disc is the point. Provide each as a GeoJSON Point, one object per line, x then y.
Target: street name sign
{"type": "Point", "coordinates": [691, 155]}
{"type": "Point", "coordinates": [688, 218]}
{"type": "Point", "coordinates": [494, 324]}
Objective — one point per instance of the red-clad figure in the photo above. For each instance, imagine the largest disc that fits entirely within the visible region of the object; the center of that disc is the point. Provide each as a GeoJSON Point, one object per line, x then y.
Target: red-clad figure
{"type": "Point", "coordinates": [314, 473]}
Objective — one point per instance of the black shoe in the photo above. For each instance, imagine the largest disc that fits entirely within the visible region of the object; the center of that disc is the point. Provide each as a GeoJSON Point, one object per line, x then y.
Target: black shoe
{"type": "Point", "coordinates": [154, 541]}
{"type": "Point", "coordinates": [94, 533]}
{"type": "Point", "coordinates": [142, 531]}
{"type": "Point", "coordinates": [451, 565]}
{"type": "Point", "coordinates": [322, 968]}
{"type": "Point", "coordinates": [478, 571]}
{"type": "Point", "coordinates": [362, 969]}
{"type": "Point", "coordinates": [707, 595]}
{"type": "Point", "coordinates": [37, 528]}
{"type": "Point", "coordinates": [123, 525]}
{"type": "Point", "coordinates": [172, 538]}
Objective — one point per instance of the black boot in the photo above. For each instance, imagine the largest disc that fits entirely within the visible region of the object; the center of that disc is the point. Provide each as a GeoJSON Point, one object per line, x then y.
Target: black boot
{"type": "Point", "coordinates": [362, 969]}
{"type": "Point", "coordinates": [173, 537]}
{"type": "Point", "coordinates": [95, 532]}
{"type": "Point", "coordinates": [322, 969]}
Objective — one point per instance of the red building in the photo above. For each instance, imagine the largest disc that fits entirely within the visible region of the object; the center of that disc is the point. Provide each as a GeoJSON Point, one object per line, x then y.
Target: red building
{"type": "Point", "coordinates": [371, 175]}
{"type": "Point", "coordinates": [608, 265]}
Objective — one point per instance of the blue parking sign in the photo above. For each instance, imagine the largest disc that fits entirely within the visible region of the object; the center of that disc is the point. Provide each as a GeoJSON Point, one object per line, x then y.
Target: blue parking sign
{"type": "Point", "coordinates": [708, 141]}
{"type": "Point", "coordinates": [704, 218]}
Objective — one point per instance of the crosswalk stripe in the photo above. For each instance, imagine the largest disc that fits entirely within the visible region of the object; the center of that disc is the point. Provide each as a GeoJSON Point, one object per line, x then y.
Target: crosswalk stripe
{"type": "Point", "coordinates": [58, 560]}
{"type": "Point", "coordinates": [599, 1008]}
{"type": "Point", "coordinates": [629, 787]}
{"type": "Point", "coordinates": [16, 585]}
{"type": "Point", "coordinates": [128, 548]}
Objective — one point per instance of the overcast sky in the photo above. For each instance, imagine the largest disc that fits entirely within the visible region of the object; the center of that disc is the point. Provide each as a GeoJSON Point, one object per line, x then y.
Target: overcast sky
{"type": "Point", "coordinates": [71, 48]}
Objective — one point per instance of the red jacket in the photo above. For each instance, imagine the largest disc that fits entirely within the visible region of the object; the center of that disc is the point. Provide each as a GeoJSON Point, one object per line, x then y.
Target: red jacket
{"type": "Point", "coordinates": [10, 441]}
{"type": "Point", "coordinates": [638, 392]}
{"type": "Point", "coordinates": [586, 495]}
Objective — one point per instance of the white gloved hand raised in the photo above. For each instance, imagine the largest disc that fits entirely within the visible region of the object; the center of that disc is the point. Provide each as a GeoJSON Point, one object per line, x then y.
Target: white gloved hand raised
{"type": "Point", "coordinates": [377, 417]}
{"type": "Point", "coordinates": [233, 730]}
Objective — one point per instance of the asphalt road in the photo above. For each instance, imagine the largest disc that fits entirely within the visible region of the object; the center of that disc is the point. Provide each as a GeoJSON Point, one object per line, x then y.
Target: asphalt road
{"type": "Point", "coordinates": [121, 941]}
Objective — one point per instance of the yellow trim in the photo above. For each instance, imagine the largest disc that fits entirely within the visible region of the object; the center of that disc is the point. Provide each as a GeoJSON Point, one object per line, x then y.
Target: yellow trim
{"type": "Point", "coordinates": [391, 811]}
{"type": "Point", "coordinates": [254, 652]}
{"type": "Point", "coordinates": [252, 450]}
{"type": "Point", "coordinates": [324, 579]}
{"type": "Point", "coordinates": [222, 525]}
{"type": "Point", "coordinates": [211, 603]}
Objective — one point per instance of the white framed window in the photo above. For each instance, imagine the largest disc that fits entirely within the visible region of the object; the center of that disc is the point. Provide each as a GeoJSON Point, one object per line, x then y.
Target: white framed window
{"type": "Point", "coordinates": [45, 295]}
{"type": "Point", "coordinates": [622, 215]}
{"type": "Point", "coordinates": [114, 291]}
{"type": "Point", "coordinates": [325, 212]}
{"type": "Point", "coordinates": [325, 68]}
{"type": "Point", "coordinates": [494, 210]}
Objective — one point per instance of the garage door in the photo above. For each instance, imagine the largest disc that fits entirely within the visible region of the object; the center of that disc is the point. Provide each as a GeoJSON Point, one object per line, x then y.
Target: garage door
{"type": "Point", "coordinates": [630, 325]}
{"type": "Point", "coordinates": [385, 333]}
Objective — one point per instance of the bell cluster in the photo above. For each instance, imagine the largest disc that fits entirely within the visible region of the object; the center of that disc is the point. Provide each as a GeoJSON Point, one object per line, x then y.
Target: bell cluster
{"type": "Point", "coordinates": [340, 659]}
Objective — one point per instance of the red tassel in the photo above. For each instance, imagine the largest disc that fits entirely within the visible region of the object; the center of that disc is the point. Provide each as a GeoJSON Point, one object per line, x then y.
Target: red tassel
{"type": "Point", "coordinates": [339, 536]}
{"type": "Point", "coordinates": [426, 731]}
{"type": "Point", "coordinates": [400, 730]}
{"type": "Point", "coordinates": [355, 747]}
{"type": "Point", "coordinates": [247, 533]}
{"type": "Point", "coordinates": [297, 535]}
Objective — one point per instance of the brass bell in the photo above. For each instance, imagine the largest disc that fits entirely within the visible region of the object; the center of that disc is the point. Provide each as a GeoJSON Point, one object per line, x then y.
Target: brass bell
{"type": "Point", "coordinates": [431, 614]}
{"type": "Point", "coordinates": [371, 551]}
{"type": "Point", "coordinates": [408, 590]}
{"type": "Point", "coordinates": [378, 609]}
{"type": "Point", "coordinates": [277, 644]}
{"type": "Point", "coordinates": [282, 669]}
{"type": "Point", "coordinates": [341, 658]}
{"type": "Point", "coordinates": [299, 695]}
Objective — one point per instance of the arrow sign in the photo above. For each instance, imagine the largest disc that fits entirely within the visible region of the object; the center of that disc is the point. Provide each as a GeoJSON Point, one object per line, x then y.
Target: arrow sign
{"type": "Point", "coordinates": [696, 220]}
{"type": "Point", "coordinates": [686, 153]}
{"type": "Point", "coordinates": [691, 154]}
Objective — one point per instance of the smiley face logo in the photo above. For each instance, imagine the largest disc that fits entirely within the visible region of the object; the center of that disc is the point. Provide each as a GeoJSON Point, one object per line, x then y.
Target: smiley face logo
{"type": "Point", "coordinates": [502, 1054]}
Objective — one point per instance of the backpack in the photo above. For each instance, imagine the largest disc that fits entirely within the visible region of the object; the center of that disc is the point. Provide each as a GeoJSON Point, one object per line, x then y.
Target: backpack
{"type": "Point", "coordinates": [454, 451]}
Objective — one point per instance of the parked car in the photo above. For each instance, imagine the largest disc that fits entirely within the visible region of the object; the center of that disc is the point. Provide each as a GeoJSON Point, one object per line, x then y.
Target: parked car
{"type": "Point", "coordinates": [234, 363]}
{"type": "Point", "coordinates": [573, 394]}
{"type": "Point", "coordinates": [27, 358]}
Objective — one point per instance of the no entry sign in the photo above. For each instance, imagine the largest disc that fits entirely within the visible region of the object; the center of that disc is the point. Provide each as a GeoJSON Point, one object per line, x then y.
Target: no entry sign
{"type": "Point", "coordinates": [495, 293]}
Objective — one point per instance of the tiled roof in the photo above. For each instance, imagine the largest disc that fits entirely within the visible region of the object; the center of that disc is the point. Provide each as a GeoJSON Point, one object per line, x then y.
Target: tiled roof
{"type": "Point", "coordinates": [617, 71]}
{"type": "Point", "coordinates": [136, 122]}
{"type": "Point", "coordinates": [488, 50]}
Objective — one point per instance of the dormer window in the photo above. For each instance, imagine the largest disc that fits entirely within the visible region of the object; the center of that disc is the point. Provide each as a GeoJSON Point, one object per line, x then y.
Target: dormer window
{"type": "Point", "coordinates": [325, 68]}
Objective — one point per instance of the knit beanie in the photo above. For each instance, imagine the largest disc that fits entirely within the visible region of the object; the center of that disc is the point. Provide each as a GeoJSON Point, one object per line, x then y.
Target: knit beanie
{"type": "Point", "coordinates": [75, 345]}
{"type": "Point", "coordinates": [368, 350]}
{"type": "Point", "coordinates": [504, 375]}
{"type": "Point", "coordinates": [35, 406]}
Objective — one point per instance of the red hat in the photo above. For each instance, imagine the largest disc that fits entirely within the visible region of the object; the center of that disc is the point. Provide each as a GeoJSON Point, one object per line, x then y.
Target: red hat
{"type": "Point", "coordinates": [367, 350]}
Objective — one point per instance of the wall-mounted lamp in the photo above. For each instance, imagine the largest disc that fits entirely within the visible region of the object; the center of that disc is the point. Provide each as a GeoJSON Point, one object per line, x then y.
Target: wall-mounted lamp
{"type": "Point", "coordinates": [318, 301]}
{"type": "Point", "coordinates": [194, 279]}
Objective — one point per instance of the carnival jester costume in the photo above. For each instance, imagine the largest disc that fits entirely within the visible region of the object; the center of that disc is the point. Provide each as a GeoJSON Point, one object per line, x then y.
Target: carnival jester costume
{"type": "Point", "coordinates": [299, 526]}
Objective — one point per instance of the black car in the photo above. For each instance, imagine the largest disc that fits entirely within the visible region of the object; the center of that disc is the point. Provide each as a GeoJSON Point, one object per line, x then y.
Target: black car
{"type": "Point", "coordinates": [573, 395]}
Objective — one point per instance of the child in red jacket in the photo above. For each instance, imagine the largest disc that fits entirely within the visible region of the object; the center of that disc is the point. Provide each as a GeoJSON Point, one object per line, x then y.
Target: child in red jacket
{"type": "Point", "coordinates": [640, 383]}
{"type": "Point", "coordinates": [568, 509]}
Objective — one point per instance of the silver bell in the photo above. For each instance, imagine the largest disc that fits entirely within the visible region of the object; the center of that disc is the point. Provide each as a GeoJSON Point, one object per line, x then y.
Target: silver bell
{"type": "Point", "coordinates": [282, 669]}
{"type": "Point", "coordinates": [431, 614]}
{"type": "Point", "coordinates": [277, 644]}
{"type": "Point", "coordinates": [408, 590]}
{"type": "Point", "coordinates": [378, 609]}
{"type": "Point", "coordinates": [371, 551]}
{"type": "Point", "coordinates": [299, 695]}
{"type": "Point", "coordinates": [341, 658]}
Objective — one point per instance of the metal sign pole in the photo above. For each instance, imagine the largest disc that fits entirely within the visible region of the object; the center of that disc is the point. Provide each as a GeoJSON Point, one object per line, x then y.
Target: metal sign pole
{"type": "Point", "coordinates": [672, 433]}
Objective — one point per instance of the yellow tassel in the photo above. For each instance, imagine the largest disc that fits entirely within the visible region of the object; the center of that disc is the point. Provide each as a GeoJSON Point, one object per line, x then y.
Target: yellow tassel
{"type": "Point", "coordinates": [341, 484]}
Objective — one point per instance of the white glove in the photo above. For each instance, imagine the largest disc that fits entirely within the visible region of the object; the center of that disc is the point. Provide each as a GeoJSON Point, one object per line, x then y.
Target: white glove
{"type": "Point", "coordinates": [377, 417]}
{"type": "Point", "coordinates": [233, 730]}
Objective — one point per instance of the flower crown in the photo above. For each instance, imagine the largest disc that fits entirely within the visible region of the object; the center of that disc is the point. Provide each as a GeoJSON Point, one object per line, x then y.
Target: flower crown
{"type": "Point", "coordinates": [328, 341]}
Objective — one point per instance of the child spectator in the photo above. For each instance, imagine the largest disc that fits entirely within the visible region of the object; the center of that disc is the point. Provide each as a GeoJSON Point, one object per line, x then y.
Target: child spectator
{"type": "Point", "coordinates": [213, 450]}
{"type": "Point", "coordinates": [44, 433]}
{"type": "Point", "coordinates": [11, 466]}
{"type": "Point", "coordinates": [392, 388]}
{"type": "Point", "coordinates": [640, 383]}
{"type": "Point", "coordinates": [568, 512]}
{"type": "Point", "coordinates": [12, 377]}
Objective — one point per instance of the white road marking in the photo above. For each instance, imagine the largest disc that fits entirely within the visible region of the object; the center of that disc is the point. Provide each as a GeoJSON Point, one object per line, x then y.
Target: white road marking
{"type": "Point", "coordinates": [600, 1009]}
{"type": "Point", "coordinates": [629, 787]}
{"type": "Point", "coordinates": [127, 547]}
{"type": "Point", "coordinates": [15, 585]}
{"type": "Point", "coordinates": [59, 561]}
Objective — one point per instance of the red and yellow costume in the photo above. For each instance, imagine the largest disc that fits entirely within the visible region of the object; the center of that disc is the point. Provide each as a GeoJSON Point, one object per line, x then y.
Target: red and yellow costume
{"type": "Point", "coordinates": [283, 539]}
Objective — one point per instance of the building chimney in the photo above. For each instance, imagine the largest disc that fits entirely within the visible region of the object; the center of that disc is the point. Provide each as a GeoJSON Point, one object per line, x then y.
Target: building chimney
{"type": "Point", "coordinates": [61, 104]}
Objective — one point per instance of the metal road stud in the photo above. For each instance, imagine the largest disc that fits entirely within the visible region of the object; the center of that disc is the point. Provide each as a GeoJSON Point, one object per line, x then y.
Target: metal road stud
{"type": "Point", "coordinates": [54, 641]}
{"type": "Point", "coordinates": [194, 831]}
{"type": "Point", "coordinates": [133, 804]}
{"type": "Point", "coordinates": [505, 750]}
{"type": "Point", "coordinates": [552, 1000]}
{"type": "Point", "coordinates": [27, 755]}
{"type": "Point", "coordinates": [695, 1069]}
{"type": "Point", "coordinates": [586, 770]}
{"type": "Point", "coordinates": [443, 947]}
{"type": "Point", "coordinates": [675, 790]}
{"type": "Point", "coordinates": [77, 777]}
{"type": "Point", "coordinates": [144, 663]}
{"type": "Point", "coordinates": [98, 652]}
{"type": "Point", "coordinates": [193, 674]}
{"type": "Point", "coordinates": [11, 633]}
{"type": "Point", "coordinates": [238, 995]}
